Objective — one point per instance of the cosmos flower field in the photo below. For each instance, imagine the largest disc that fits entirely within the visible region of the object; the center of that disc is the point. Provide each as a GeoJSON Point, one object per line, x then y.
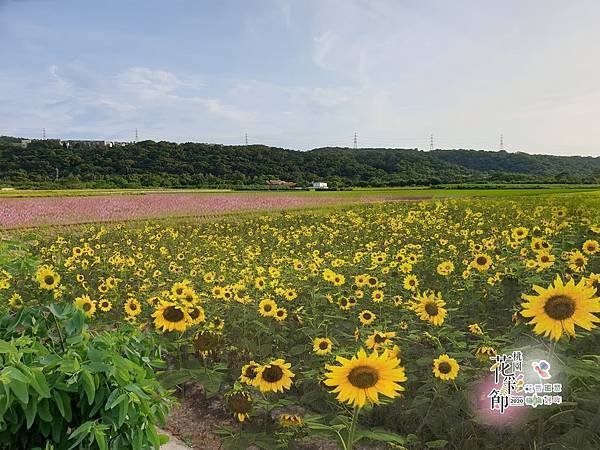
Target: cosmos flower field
{"type": "Point", "coordinates": [361, 323]}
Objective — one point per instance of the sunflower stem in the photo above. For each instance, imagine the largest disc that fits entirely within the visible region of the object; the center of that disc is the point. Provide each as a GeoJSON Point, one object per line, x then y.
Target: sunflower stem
{"type": "Point", "coordinates": [352, 429]}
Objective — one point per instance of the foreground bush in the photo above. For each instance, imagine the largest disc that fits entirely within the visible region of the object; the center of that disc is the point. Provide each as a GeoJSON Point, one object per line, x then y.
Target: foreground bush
{"type": "Point", "coordinates": [64, 387]}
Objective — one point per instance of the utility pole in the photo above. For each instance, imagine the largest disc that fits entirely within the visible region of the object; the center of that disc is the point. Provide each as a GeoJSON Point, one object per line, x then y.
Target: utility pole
{"type": "Point", "coordinates": [355, 141]}
{"type": "Point", "coordinates": [136, 135]}
{"type": "Point", "coordinates": [431, 142]}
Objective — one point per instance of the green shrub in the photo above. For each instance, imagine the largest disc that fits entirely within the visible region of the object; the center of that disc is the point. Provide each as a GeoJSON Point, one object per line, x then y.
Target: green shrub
{"type": "Point", "coordinates": [63, 387]}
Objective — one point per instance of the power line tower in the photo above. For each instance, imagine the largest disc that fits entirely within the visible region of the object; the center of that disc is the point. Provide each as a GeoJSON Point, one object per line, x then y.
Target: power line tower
{"type": "Point", "coordinates": [355, 141]}
{"type": "Point", "coordinates": [44, 134]}
{"type": "Point", "coordinates": [136, 135]}
{"type": "Point", "coordinates": [501, 142]}
{"type": "Point", "coordinates": [431, 142]}
{"type": "Point", "coordinates": [246, 138]}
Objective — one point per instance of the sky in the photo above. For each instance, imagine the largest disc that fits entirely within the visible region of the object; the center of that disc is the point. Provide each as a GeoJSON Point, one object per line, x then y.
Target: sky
{"type": "Point", "coordinates": [302, 74]}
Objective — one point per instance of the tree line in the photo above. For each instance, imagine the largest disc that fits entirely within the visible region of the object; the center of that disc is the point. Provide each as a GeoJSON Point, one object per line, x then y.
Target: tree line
{"type": "Point", "coordinates": [166, 164]}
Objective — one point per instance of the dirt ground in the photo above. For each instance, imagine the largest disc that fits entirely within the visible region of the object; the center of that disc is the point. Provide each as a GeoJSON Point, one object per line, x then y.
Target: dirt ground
{"type": "Point", "coordinates": [196, 418]}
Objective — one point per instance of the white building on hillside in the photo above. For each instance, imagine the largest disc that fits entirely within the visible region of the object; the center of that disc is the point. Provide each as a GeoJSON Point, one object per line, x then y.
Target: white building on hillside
{"type": "Point", "coordinates": [319, 185]}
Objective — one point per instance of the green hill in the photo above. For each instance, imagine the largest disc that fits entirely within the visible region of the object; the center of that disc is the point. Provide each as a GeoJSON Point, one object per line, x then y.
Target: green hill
{"type": "Point", "coordinates": [166, 164]}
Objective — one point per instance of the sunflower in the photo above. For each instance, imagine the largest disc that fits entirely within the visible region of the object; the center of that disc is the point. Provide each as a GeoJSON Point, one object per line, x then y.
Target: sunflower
{"type": "Point", "coordinates": [104, 305]}
{"type": "Point", "coordinates": [590, 247]}
{"type": "Point", "coordinates": [249, 373]}
{"type": "Point", "coordinates": [290, 420]}
{"type": "Point", "coordinates": [481, 262]}
{"type": "Point", "coordinates": [485, 351]}
{"type": "Point", "coordinates": [274, 376]}
{"type": "Point", "coordinates": [430, 307]}
{"type": "Point", "coordinates": [280, 314]}
{"type": "Point", "coordinates": [476, 329]}
{"type": "Point", "coordinates": [47, 278]}
{"type": "Point", "coordinates": [377, 296]}
{"type": "Point", "coordinates": [560, 307]}
{"type": "Point", "coordinates": [267, 307]}
{"type": "Point", "coordinates": [379, 339]}
{"type": "Point", "coordinates": [445, 368]}
{"type": "Point", "coordinates": [15, 301]}
{"type": "Point", "coordinates": [132, 307]}
{"type": "Point", "coordinates": [544, 260]}
{"type": "Point", "coordinates": [196, 314]}
{"type": "Point", "coordinates": [445, 268]}
{"type": "Point", "coordinates": [361, 379]}
{"type": "Point", "coordinates": [86, 304]}
{"type": "Point", "coordinates": [322, 346]}
{"type": "Point", "coordinates": [410, 282]}
{"type": "Point", "coordinates": [216, 323]}
{"type": "Point", "coordinates": [171, 317]}
{"type": "Point", "coordinates": [206, 342]}
{"type": "Point", "coordinates": [577, 261]}
{"type": "Point", "coordinates": [366, 317]}
{"type": "Point", "coordinates": [240, 404]}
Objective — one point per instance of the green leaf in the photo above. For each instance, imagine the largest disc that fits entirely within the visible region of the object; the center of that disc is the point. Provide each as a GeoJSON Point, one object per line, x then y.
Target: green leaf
{"type": "Point", "coordinates": [81, 432]}
{"type": "Point", "coordinates": [100, 438]}
{"type": "Point", "coordinates": [20, 390]}
{"type": "Point", "coordinates": [88, 385]}
{"type": "Point", "coordinates": [6, 347]}
{"type": "Point", "coordinates": [38, 382]}
{"type": "Point", "coordinates": [436, 444]}
{"type": "Point", "coordinates": [30, 412]}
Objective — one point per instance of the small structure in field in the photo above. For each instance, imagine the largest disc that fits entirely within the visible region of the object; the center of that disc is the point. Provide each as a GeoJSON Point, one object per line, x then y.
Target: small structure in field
{"type": "Point", "coordinates": [319, 185]}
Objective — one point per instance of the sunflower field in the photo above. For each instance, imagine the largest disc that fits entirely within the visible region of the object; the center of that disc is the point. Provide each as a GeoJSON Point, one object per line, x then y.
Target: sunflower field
{"type": "Point", "coordinates": [360, 325]}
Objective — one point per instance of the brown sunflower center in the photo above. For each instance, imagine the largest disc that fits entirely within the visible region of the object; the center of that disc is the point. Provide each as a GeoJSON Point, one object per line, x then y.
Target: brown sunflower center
{"type": "Point", "coordinates": [482, 260]}
{"type": "Point", "coordinates": [560, 307]}
{"type": "Point", "coordinates": [87, 306]}
{"type": "Point", "coordinates": [367, 316]}
{"type": "Point", "coordinates": [250, 372]}
{"type": "Point", "coordinates": [379, 338]}
{"type": "Point", "coordinates": [49, 279]}
{"type": "Point", "coordinates": [363, 377]}
{"type": "Point", "coordinates": [194, 313]}
{"type": "Point", "coordinates": [545, 258]}
{"type": "Point", "coordinates": [431, 308]}
{"type": "Point", "coordinates": [207, 341]}
{"type": "Point", "coordinates": [444, 367]}
{"type": "Point", "coordinates": [267, 308]}
{"type": "Point", "coordinates": [272, 374]}
{"type": "Point", "coordinates": [173, 314]}
{"type": "Point", "coordinates": [323, 345]}
{"type": "Point", "coordinates": [240, 403]}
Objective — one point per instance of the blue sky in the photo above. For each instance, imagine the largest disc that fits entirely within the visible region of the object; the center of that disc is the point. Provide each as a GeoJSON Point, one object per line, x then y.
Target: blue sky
{"type": "Point", "coordinates": [306, 73]}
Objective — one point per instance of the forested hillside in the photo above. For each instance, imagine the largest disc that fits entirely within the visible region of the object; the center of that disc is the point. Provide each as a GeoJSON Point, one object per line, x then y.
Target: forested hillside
{"type": "Point", "coordinates": [166, 164]}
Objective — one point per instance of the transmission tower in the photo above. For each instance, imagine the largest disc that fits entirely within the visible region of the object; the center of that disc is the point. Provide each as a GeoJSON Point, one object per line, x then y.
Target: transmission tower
{"type": "Point", "coordinates": [501, 142]}
{"type": "Point", "coordinates": [246, 138]}
{"type": "Point", "coordinates": [355, 141]}
{"type": "Point", "coordinates": [44, 134]}
{"type": "Point", "coordinates": [136, 135]}
{"type": "Point", "coordinates": [431, 142]}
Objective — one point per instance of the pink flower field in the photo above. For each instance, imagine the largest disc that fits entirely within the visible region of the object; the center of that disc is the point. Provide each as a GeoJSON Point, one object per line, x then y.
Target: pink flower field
{"type": "Point", "coordinates": [27, 212]}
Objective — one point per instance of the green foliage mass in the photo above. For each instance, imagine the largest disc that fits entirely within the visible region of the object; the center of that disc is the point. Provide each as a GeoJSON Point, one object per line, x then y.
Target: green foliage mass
{"type": "Point", "coordinates": [63, 387]}
{"type": "Point", "coordinates": [167, 164]}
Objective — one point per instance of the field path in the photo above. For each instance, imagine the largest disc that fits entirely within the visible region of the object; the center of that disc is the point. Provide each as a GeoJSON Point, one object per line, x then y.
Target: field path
{"type": "Point", "coordinates": [34, 211]}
